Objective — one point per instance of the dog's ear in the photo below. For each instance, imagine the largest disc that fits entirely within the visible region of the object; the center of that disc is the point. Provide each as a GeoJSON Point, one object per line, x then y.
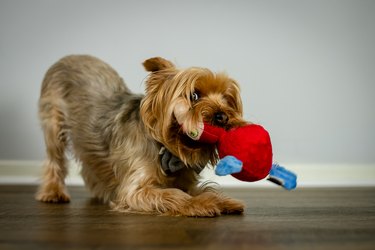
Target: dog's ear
{"type": "Point", "coordinates": [156, 64]}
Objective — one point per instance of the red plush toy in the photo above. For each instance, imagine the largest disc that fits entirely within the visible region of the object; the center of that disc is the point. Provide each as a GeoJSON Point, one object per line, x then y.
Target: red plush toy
{"type": "Point", "coordinates": [245, 152]}
{"type": "Point", "coordinates": [250, 144]}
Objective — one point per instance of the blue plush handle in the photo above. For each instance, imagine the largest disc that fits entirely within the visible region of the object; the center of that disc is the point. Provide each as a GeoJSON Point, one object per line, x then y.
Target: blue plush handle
{"type": "Point", "coordinates": [283, 177]}
{"type": "Point", "coordinates": [228, 165]}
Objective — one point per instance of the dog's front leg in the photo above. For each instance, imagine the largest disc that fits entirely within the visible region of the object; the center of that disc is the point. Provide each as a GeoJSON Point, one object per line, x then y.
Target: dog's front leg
{"type": "Point", "coordinates": [167, 201]}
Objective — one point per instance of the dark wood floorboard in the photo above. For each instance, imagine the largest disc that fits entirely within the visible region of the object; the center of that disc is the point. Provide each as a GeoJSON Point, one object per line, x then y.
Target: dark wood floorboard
{"type": "Point", "coordinates": [327, 218]}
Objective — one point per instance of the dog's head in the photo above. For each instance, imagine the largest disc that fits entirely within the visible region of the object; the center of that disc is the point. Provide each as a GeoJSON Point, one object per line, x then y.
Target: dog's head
{"type": "Point", "coordinates": [212, 98]}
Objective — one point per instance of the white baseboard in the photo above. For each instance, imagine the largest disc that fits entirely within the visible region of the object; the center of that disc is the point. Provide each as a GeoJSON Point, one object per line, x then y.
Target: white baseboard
{"type": "Point", "coordinates": [309, 175]}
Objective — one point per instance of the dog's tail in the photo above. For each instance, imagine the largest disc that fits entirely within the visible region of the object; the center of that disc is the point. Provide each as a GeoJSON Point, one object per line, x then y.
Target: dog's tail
{"type": "Point", "coordinates": [157, 63]}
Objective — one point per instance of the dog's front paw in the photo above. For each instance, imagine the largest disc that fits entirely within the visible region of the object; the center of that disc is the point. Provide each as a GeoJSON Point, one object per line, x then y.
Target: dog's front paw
{"type": "Point", "coordinates": [52, 193]}
{"type": "Point", "coordinates": [203, 205]}
{"type": "Point", "coordinates": [211, 204]}
{"type": "Point", "coordinates": [231, 206]}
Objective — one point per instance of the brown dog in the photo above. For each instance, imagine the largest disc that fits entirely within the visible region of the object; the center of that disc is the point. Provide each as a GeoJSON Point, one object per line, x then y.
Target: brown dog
{"type": "Point", "coordinates": [117, 135]}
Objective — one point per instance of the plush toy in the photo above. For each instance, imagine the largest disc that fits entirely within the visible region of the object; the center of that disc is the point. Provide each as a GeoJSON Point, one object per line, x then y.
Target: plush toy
{"type": "Point", "coordinates": [245, 152]}
{"type": "Point", "coordinates": [248, 148]}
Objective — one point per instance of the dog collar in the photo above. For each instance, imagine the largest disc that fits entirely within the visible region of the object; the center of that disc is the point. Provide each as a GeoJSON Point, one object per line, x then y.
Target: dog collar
{"type": "Point", "coordinates": [171, 164]}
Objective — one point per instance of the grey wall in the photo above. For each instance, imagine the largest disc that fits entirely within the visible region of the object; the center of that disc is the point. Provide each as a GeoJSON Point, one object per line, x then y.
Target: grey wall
{"type": "Point", "coordinates": [307, 68]}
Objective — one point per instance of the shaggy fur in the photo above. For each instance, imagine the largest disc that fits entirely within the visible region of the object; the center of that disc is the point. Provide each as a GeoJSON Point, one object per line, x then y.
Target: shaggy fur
{"type": "Point", "coordinates": [117, 135]}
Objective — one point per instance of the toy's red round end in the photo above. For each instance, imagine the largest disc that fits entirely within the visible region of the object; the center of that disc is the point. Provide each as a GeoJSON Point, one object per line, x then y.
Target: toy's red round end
{"type": "Point", "coordinates": [252, 145]}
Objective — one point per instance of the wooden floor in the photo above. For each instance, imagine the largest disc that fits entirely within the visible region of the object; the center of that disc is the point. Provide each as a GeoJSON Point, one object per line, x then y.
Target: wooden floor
{"type": "Point", "coordinates": [274, 219]}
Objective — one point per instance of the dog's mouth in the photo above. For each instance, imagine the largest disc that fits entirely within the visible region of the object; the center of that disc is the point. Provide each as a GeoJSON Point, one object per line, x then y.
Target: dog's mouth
{"type": "Point", "coordinates": [190, 143]}
{"type": "Point", "coordinates": [218, 120]}
{"type": "Point", "coordinates": [184, 139]}
{"type": "Point", "coordinates": [194, 144]}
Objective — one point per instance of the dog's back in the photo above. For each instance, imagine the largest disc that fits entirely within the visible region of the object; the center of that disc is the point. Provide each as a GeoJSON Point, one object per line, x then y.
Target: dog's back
{"type": "Point", "coordinates": [80, 77]}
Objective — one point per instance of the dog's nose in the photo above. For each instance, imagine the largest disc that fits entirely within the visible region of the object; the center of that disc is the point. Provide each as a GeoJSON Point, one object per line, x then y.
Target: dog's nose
{"type": "Point", "coordinates": [220, 118]}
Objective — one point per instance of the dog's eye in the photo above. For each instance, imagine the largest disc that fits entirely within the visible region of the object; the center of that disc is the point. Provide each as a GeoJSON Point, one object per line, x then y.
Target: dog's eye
{"type": "Point", "coordinates": [195, 96]}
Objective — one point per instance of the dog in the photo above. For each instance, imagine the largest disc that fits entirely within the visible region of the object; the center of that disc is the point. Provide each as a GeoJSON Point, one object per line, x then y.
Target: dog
{"type": "Point", "coordinates": [116, 136]}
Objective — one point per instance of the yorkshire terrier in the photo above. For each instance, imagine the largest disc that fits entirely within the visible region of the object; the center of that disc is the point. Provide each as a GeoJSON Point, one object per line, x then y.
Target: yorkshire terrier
{"type": "Point", "coordinates": [117, 135]}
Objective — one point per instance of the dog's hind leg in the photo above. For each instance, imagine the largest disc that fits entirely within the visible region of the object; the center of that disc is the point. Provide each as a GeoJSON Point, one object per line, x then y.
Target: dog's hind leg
{"type": "Point", "coordinates": [52, 188]}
